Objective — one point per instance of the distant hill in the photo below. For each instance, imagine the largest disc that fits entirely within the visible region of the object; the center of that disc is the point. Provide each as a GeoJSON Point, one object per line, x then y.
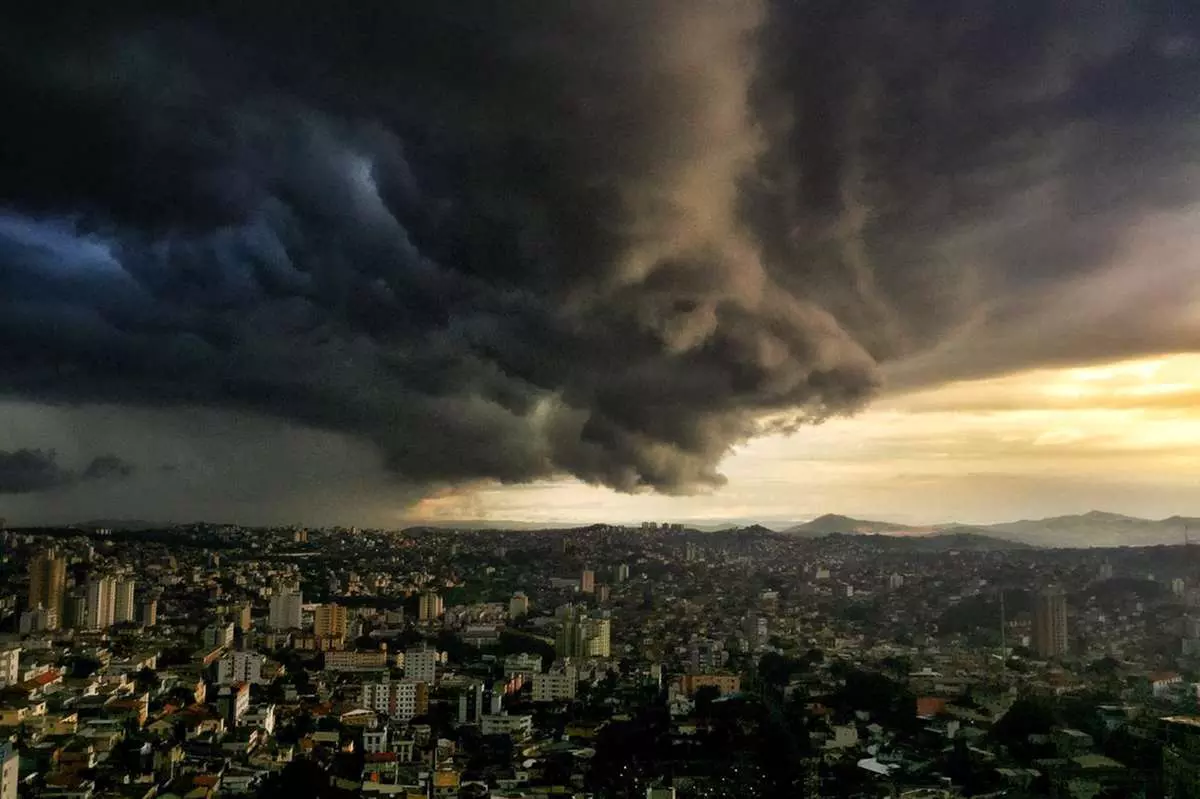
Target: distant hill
{"type": "Point", "coordinates": [754, 529]}
{"type": "Point", "coordinates": [971, 539]}
{"type": "Point", "coordinates": [1097, 529]}
{"type": "Point", "coordinates": [834, 523]}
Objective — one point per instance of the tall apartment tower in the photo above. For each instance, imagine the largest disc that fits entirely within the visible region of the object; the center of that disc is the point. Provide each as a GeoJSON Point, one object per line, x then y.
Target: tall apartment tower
{"type": "Point", "coordinates": [123, 608]}
{"type": "Point", "coordinates": [149, 612]}
{"type": "Point", "coordinates": [430, 607]}
{"type": "Point", "coordinates": [101, 603]}
{"type": "Point", "coordinates": [286, 612]}
{"type": "Point", "coordinates": [329, 621]}
{"type": "Point", "coordinates": [587, 581]}
{"type": "Point", "coordinates": [48, 583]}
{"type": "Point", "coordinates": [421, 665]}
{"type": "Point", "coordinates": [581, 636]}
{"type": "Point", "coordinates": [1050, 624]}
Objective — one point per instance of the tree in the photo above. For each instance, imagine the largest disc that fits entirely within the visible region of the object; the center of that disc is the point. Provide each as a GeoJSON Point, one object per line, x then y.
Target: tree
{"type": "Point", "coordinates": [81, 666]}
{"type": "Point", "coordinates": [1027, 716]}
{"type": "Point", "coordinates": [704, 697]}
{"type": "Point", "coordinates": [775, 670]}
{"type": "Point", "coordinates": [146, 679]}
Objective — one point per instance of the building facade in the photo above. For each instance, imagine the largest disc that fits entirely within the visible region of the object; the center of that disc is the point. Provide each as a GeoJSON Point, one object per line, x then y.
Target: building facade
{"type": "Point", "coordinates": [123, 607]}
{"type": "Point", "coordinates": [236, 667]}
{"type": "Point", "coordinates": [421, 665]}
{"type": "Point", "coordinates": [47, 583]}
{"type": "Point", "coordinates": [9, 768]}
{"type": "Point", "coordinates": [101, 603]}
{"type": "Point", "coordinates": [286, 611]}
{"type": "Point", "coordinates": [1050, 624]}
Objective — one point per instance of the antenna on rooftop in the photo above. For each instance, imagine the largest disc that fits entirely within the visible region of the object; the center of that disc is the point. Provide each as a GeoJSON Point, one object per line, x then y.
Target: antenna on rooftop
{"type": "Point", "coordinates": [1003, 631]}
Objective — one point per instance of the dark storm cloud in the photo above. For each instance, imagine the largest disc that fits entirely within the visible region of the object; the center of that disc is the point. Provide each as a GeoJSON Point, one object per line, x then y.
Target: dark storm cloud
{"type": "Point", "coordinates": [610, 239]}
{"type": "Point", "coordinates": [28, 471]}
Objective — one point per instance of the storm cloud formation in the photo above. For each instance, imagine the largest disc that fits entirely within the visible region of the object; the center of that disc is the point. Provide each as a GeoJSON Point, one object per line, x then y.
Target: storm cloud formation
{"type": "Point", "coordinates": [28, 471]}
{"type": "Point", "coordinates": [608, 238]}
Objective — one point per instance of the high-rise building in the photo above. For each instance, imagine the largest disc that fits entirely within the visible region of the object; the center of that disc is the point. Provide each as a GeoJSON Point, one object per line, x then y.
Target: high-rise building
{"type": "Point", "coordinates": [470, 703]}
{"type": "Point", "coordinates": [587, 581]}
{"type": "Point", "coordinates": [149, 612]}
{"type": "Point", "coordinates": [597, 638]}
{"type": "Point", "coordinates": [38, 620]}
{"type": "Point", "coordinates": [48, 582]}
{"type": "Point", "coordinates": [101, 603]}
{"type": "Point", "coordinates": [286, 611]}
{"type": "Point", "coordinates": [329, 621]}
{"type": "Point", "coordinates": [218, 634]}
{"type": "Point", "coordinates": [1050, 624]}
{"type": "Point", "coordinates": [518, 606]}
{"type": "Point", "coordinates": [401, 700]}
{"type": "Point", "coordinates": [243, 617]}
{"type": "Point", "coordinates": [421, 665]}
{"type": "Point", "coordinates": [9, 766]}
{"type": "Point", "coordinates": [75, 610]}
{"type": "Point", "coordinates": [622, 572]}
{"type": "Point", "coordinates": [581, 636]}
{"type": "Point", "coordinates": [123, 607]}
{"type": "Point", "coordinates": [429, 607]}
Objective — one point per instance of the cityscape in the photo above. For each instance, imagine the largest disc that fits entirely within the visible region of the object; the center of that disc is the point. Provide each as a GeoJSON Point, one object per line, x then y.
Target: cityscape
{"type": "Point", "coordinates": [649, 660]}
{"type": "Point", "coordinates": [600, 399]}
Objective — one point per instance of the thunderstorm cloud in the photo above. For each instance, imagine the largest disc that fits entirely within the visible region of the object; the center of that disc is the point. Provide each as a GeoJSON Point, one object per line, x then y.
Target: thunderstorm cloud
{"type": "Point", "coordinates": [611, 239]}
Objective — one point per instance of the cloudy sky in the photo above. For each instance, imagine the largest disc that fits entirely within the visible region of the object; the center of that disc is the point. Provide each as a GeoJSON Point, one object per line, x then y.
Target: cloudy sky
{"type": "Point", "coordinates": [605, 260]}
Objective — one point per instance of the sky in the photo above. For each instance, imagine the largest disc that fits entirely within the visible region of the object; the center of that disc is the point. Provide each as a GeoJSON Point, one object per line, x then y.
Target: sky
{"type": "Point", "coordinates": [610, 260]}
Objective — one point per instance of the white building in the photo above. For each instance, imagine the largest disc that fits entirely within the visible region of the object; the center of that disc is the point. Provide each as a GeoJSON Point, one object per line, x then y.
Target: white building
{"type": "Point", "coordinates": [236, 667]}
{"type": "Point", "coordinates": [556, 685]}
{"type": "Point", "coordinates": [470, 703]}
{"type": "Point", "coordinates": [9, 766]}
{"type": "Point", "coordinates": [385, 739]}
{"type": "Point", "coordinates": [262, 717]}
{"type": "Point", "coordinates": [400, 700]}
{"type": "Point", "coordinates": [286, 611]}
{"type": "Point", "coordinates": [38, 620]}
{"type": "Point", "coordinates": [234, 701]}
{"type": "Point", "coordinates": [10, 666]}
{"type": "Point", "coordinates": [516, 727]}
{"type": "Point", "coordinates": [524, 663]}
{"type": "Point", "coordinates": [123, 608]}
{"type": "Point", "coordinates": [421, 665]}
{"type": "Point", "coordinates": [218, 634]}
{"type": "Point", "coordinates": [101, 603]}
{"type": "Point", "coordinates": [375, 741]}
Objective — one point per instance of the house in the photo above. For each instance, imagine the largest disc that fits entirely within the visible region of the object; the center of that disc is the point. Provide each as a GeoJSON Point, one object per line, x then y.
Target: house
{"type": "Point", "coordinates": [1163, 682]}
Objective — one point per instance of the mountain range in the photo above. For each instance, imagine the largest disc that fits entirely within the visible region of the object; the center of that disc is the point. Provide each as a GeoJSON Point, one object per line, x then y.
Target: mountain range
{"type": "Point", "coordinates": [1091, 529]}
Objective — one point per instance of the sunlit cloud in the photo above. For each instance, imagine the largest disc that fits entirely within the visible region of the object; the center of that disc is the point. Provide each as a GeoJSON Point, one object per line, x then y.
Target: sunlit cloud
{"type": "Point", "coordinates": [1123, 436]}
